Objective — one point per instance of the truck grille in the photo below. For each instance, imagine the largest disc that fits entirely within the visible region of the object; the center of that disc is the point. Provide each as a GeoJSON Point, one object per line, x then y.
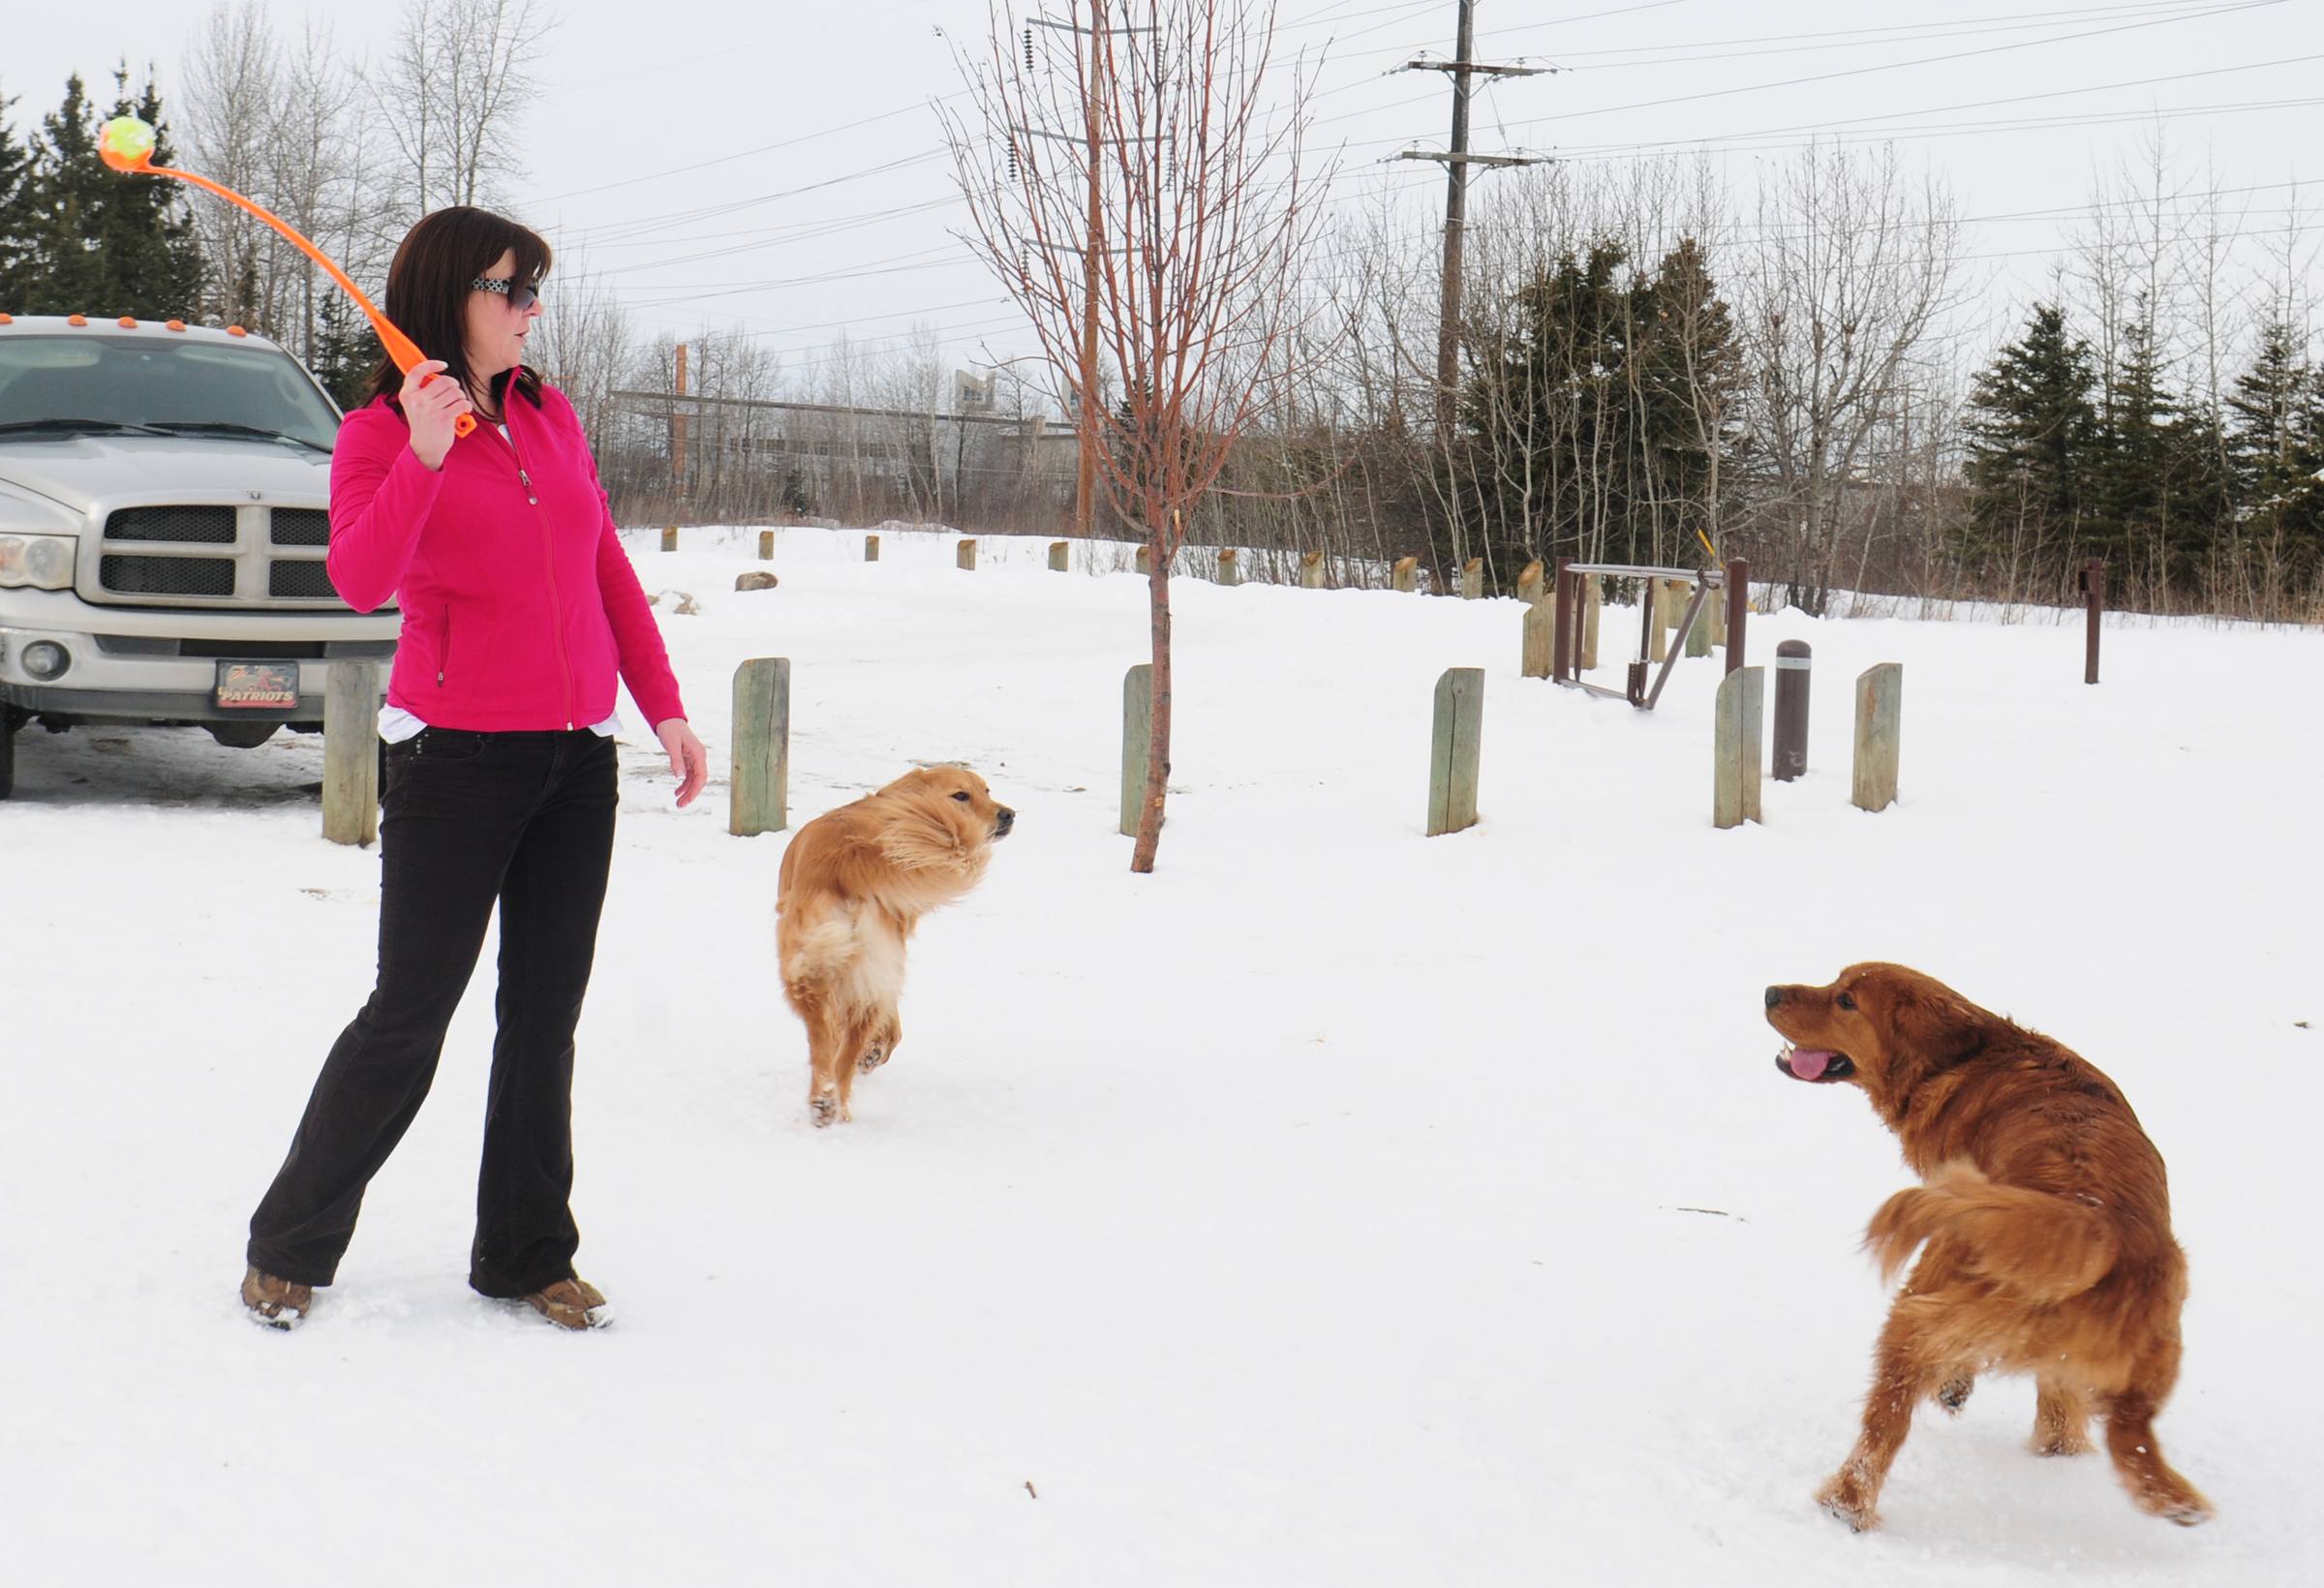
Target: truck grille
{"type": "Point", "coordinates": [182, 526]}
{"type": "Point", "coordinates": [310, 580]}
{"type": "Point", "coordinates": [167, 575]}
{"type": "Point", "coordinates": [215, 556]}
{"type": "Point", "coordinates": [300, 527]}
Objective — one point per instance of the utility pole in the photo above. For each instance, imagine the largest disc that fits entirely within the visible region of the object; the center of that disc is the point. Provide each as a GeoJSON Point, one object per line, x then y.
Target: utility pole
{"type": "Point", "coordinates": [1457, 160]}
{"type": "Point", "coordinates": [678, 436]}
{"type": "Point", "coordinates": [1100, 60]}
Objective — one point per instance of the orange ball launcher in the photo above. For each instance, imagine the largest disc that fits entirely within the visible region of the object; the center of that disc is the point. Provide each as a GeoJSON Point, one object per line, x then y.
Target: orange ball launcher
{"type": "Point", "coordinates": [127, 143]}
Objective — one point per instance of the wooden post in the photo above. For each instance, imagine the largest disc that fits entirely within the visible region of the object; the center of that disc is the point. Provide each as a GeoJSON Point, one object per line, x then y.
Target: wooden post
{"type": "Point", "coordinates": [1698, 637]}
{"type": "Point", "coordinates": [1716, 609]}
{"type": "Point", "coordinates": [669, 538]}
{"type": "Point", "coordinates": [871, 548]}
{"type": "Point", "coordinates": [1529, 581]}
{"type": "Point", "coordinates": [1137, 736]}
{"type": "Point", "coordinates": [1405, 574]}
{"type": "Point", "coordinates": [761, 780]}
{"type": "Point", "coordinates": [351, 754]}
{"type": "Point", "coordinates": [1541, 640]}
{"type": "Point", "coordinates": [1311, 570]}
{"type": "Point", "coordinates": [1655, 604]}
{"type": "Point", "coordinates": [1472, 579]}
{"type": "Point", "coordinates": [1735, 748]}
{"type": "Point", "coordinates": [1059, 555]}
{"type": "Point", "coordinates": [1230, 566]}
{"type": "Point", "coordinates": [1880, 716]}
{"type": "Point", "coordinates": [1452, 755]}
{"type": "Point", "coordinates": [1593, 597]}
{"type": "Point", "coordinates": [964, 556]}
{"type": "Point", "coordinates": [1145, 561]}
{"type": "Point", "coordinates": [766, 546]}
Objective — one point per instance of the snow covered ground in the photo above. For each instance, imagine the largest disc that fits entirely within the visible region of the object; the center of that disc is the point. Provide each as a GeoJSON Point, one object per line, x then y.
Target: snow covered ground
{"type": "Point", "coordinates": [1336, 1205]}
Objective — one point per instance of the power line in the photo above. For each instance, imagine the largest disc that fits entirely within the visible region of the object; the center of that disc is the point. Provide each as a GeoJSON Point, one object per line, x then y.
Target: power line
{"type": "Point", "coordinates": [1970, 104]}
{"type": "Point", "coordinates": [1893, 65]}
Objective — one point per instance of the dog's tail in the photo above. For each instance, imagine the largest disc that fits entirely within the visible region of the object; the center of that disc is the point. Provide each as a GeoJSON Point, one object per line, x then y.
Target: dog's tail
{"type": "Point", "coordinates": [2042, 1247]}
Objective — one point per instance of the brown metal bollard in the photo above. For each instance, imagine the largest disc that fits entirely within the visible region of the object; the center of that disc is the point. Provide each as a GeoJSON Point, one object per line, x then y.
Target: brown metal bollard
{"type": "Point", "coordinates": [1792, 660]}
{"type": "Point", "coordinates": [1739, 609]}
{"type": "Point", "coordinates": [2093, 596]}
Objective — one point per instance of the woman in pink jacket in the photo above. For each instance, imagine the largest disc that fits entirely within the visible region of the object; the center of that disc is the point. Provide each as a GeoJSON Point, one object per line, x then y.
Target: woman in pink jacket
{"type": "Point", "coordinates": [519, 607]}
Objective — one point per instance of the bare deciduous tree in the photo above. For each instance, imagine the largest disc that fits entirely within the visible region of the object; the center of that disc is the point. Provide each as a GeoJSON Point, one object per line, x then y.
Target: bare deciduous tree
{"type": "Point", "coordinates": [1135, 147]}
{"type": "Point", "coordinates": [1853, 268]}
{"type": "Point", "coordinates": [459, 78]}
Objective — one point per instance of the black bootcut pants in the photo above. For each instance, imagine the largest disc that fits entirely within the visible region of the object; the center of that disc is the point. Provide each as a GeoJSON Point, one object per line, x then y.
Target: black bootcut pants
{"type": "Point", "coordinates": [467, 818]}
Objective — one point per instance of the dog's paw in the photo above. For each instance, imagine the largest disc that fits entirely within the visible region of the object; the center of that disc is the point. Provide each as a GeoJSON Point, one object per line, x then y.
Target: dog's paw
{"type": "Point", "coordinates": [873, 1057]}
{"type": "Point", "coordinates": [1953, 1394]}
{"type": "Point", "coordinates": [1849, 1499]}
{"type": "Point", "coordinates": [2175, 1503]}
{"type": "Point", "coordinates": [2058, 1443]}
{"type": "Point", "coordinates": [825, 1106]}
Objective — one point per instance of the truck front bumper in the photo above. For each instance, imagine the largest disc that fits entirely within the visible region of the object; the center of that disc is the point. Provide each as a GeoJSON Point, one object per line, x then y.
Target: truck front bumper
{"type": "Point", "coordinates": [146, 677]}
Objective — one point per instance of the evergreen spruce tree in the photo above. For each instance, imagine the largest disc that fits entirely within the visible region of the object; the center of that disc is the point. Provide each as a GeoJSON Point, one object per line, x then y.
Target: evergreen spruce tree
{"type": "Point", "coordinates": [2163, 497]}
{"type": "Point", "coordinates": [17, 260]}
{"type": "Point", "coordinates": [108, 244]}
{"type": "Point", "coordinates": [2133, 449]}
{"type": "Point", "coordinates": [1692, 371]}
{"type": "Point", "coordinates": [347, 350]}
{"type": "Point", "coordinates": [2032, 434]}
{"type": "Point", "coordinates": [2276, 446]}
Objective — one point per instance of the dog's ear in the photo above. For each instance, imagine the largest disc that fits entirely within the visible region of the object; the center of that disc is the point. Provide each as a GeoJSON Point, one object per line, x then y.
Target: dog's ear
{"type": "Point", "coordinates": [1937, 1024]}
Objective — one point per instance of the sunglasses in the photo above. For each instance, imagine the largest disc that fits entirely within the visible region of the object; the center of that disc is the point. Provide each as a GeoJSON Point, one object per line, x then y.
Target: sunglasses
{"type": "Point", "coordinates": [520, 299]}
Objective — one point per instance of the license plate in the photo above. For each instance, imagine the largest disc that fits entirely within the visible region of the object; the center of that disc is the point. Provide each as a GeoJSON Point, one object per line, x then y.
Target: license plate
{"type": "Point", "coordinates": [258, 685]}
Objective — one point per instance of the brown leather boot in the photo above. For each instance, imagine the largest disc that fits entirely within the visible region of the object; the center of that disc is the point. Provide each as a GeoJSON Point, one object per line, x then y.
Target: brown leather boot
{"type": "Point", "coordinates": [278, 1303]}
{"type": "Point", "coordinates": [571, 1303]}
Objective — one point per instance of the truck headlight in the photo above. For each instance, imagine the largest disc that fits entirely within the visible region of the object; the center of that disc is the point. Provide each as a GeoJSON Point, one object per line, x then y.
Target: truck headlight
{"type": "Point", "coordinates": [44, 561]}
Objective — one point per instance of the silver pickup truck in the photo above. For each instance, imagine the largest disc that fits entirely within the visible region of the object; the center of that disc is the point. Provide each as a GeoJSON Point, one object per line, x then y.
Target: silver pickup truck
{"type": "Point", "coordinates": [164, 493]}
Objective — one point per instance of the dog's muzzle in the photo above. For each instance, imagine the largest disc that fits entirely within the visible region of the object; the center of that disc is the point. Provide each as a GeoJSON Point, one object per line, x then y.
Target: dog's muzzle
{"type": "Point", "coordinates": [1008, 819]}
{"type": "Point", "coordinates": [1815, 1064]}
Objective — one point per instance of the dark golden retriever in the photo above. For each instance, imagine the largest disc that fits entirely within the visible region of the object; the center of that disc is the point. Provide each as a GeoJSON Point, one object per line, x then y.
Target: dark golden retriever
{"type": "Point", "coordinates": [2044, 1218]}
{"type": "Point", "coordinates": [855, 882]}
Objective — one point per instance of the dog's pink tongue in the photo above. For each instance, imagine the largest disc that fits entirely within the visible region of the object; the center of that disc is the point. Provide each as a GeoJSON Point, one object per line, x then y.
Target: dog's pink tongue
{"type": "Point", "coordinates": [1808, 1063]}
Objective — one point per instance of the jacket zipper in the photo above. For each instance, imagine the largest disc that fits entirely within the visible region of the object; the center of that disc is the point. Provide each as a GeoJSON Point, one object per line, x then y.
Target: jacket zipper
{"type": "Point", "coordinates": [444, 652]}
{"type": "Point", "coordinates": [548, 553]}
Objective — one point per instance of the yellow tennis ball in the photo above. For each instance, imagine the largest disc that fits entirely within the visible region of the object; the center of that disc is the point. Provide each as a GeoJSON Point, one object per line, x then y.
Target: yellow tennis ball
{"type": "Point", "coordinates": [126, 143]}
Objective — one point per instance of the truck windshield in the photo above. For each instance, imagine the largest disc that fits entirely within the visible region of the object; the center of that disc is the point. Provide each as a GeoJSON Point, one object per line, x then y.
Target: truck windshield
{"type": "Point", "coordinates": [146, 381]}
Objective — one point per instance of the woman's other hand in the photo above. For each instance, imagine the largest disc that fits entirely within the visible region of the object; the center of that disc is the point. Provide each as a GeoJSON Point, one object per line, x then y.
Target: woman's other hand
{"type": "Point", "coordinates": [431, 409]}
{"type": "Point", "coordinates": [689, 762]}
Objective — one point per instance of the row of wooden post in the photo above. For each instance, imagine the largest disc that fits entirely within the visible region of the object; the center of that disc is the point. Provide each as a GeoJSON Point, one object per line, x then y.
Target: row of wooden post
{"type": "Point", "coordinates": [762, 704]}
{"type": "Point", "coordinates": [1735, 754]}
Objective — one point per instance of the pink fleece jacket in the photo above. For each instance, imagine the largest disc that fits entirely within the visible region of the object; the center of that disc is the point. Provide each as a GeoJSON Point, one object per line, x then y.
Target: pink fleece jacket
{"type": "Point", "coordinates": [519, 605]}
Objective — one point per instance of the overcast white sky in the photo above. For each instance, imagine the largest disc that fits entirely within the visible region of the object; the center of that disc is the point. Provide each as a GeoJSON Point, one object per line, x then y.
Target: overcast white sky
{"type": "Point", "coordinates": [637, 100]}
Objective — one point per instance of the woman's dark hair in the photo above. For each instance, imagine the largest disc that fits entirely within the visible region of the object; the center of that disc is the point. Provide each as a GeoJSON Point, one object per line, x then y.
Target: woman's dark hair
{"type": "Point", "coordinates": [428, 290]}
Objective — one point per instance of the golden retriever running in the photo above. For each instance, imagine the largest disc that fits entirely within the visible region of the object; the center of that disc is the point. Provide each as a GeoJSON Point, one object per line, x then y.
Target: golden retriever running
{"type": "Point", "coordinates": [2043, 1214]}
{"type": "Point", "coordinates": [854, 883]}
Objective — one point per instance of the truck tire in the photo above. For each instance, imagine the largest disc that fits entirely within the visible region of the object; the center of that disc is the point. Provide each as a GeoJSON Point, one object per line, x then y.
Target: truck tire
{"type": "Point", "coordinates": [7, 755]}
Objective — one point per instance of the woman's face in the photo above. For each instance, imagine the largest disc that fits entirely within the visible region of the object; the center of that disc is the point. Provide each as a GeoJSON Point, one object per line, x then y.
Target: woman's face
{"type": "Point", "coordinates": [496, 333]}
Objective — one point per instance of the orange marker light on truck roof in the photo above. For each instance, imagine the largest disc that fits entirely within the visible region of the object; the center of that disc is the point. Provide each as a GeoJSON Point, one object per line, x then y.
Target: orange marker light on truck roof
{"type": "Point", "coordinates": [76, 319]}
{"type": "Point", "coordinates": [176, 324]}
{"type": "Point", "coordinates": [235, 330]}
{"type": "Point", "coordinates": [128, 324]}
